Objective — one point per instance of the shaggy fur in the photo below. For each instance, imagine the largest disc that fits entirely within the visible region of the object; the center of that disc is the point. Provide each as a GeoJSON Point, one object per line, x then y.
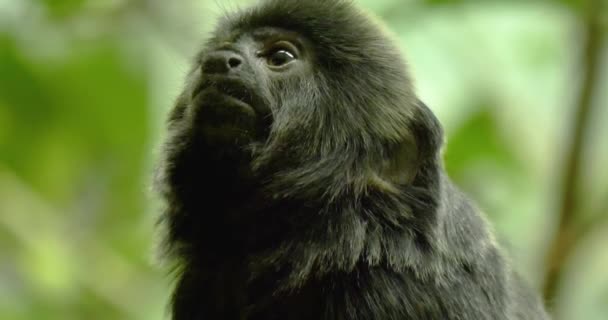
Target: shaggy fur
{"type": "Point", "coordinates": [329, 201]}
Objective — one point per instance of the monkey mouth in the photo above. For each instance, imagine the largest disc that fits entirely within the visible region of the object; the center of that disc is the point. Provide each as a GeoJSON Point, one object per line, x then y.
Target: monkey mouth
{"type": "Point", "coordinates": [225, 108]}
{"type": "Point", "coordinates": [228, 86]}
{"type": "Point", "coordinates": [218, 108]}
{"type": "Point", "coordinates": [234, 89]}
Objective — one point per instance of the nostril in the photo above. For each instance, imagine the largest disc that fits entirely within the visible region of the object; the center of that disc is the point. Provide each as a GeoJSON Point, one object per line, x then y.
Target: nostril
{"type": "Point", "coordinates": [234, 62]}
{"type": "Point", "coordinates": [222, 62]}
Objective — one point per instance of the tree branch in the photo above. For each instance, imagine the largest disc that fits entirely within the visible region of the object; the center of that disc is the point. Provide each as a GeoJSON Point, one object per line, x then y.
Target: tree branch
{"type": "Point", "coordinates": [566, 236]}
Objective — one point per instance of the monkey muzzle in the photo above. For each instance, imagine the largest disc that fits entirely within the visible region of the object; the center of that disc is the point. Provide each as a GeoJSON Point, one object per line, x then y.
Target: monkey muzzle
{"type": "Point", "coordinates": [224, 108]}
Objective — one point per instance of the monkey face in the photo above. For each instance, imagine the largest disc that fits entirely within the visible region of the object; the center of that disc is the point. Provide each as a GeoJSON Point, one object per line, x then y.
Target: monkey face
{"type": "Point", "coordinates": [298, 79]}
{"type": "Point", "coordinates": [240, 83]}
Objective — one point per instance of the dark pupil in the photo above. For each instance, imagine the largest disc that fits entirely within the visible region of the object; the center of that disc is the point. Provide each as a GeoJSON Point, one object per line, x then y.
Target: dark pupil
{"type": "Point", "coordinates": [280, 57]}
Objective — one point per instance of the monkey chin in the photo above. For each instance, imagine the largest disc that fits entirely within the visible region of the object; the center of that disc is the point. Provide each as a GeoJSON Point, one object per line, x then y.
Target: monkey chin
{"type": "Point", "coordinates": [225, 120]}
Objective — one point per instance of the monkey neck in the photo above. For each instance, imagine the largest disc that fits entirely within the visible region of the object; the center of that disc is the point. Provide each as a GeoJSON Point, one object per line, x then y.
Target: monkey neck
{"type": "Point", "coordinates": [222, 197]}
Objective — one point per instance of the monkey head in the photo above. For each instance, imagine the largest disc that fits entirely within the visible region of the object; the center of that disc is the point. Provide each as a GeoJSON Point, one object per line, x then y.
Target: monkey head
{"type": "Point", "coordinates": [310, 97]}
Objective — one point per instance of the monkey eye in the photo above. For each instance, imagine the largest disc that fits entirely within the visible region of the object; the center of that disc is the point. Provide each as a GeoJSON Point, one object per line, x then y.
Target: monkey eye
{"type": "Point", "coordinates": [280, 54]}
{"type": "Point", "coordinates": [280, 58]}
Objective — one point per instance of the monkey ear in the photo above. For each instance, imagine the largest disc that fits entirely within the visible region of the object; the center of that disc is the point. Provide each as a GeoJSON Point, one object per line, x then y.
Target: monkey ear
{"type": "Point", "coordinates": [420, 148]}
{"type": "Point", "coordinates": [402, 163]}
{"type": "Point", "coordinates": [427, 132]}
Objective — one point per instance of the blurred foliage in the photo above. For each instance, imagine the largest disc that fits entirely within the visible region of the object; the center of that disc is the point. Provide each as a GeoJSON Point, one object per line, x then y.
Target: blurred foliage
{"type": "Point", "coordinates": [85, 86]}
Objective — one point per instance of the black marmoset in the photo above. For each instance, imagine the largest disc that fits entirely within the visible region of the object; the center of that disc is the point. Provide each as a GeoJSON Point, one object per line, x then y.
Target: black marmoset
{"type": "Point", "coordinates": [303, 180]}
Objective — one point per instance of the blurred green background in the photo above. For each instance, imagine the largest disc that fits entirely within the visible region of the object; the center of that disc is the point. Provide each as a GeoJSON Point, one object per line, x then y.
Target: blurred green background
{"type": "Point", "coordinates": [520, 86]}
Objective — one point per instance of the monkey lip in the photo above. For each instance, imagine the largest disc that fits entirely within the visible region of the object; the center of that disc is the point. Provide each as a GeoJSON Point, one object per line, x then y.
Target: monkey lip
{"type": "Point", "coordinates": [229, 104]}
{"type": "Point", "coordinates": [229, 86]}
{"type": "Point", "coordinates": [235, 88]}
{"type": "Point", "coordinates": [222, 115]}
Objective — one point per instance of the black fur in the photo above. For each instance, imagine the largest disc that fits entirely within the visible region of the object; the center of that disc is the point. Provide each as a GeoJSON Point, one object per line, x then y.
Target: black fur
{"type": "Point", "coordinates": [328, 200]}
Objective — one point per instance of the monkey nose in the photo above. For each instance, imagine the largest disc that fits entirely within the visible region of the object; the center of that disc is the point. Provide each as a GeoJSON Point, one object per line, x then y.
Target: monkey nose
{"type": "Point", "coordinates": [221, 62]}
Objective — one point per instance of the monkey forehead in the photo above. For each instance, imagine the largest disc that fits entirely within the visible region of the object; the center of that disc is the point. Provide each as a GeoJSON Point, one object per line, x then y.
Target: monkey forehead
{"type": "Point", "coordinates": [340, 32]}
